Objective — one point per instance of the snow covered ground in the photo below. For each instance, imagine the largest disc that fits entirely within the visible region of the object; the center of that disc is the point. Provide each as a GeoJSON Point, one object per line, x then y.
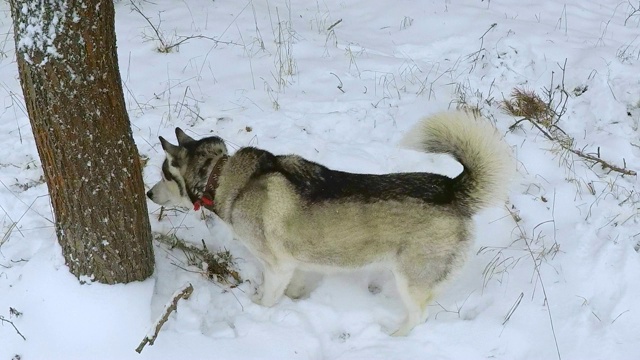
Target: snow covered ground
{"type": "Point", "coordinates": [339, 82]}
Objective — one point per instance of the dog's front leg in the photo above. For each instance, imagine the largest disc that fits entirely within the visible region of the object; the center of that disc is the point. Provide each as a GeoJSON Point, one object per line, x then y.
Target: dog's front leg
{"type": "Point", "coordinates": [275, 281]}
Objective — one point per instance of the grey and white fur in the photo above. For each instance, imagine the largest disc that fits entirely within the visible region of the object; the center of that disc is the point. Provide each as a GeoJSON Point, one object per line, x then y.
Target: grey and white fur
{"type": "Point", "coordinates": [294, 214]}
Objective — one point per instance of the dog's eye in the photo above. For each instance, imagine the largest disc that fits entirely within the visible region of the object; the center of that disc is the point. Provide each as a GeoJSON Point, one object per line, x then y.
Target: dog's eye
{"type": "Point", "coordinates": [166, 174]}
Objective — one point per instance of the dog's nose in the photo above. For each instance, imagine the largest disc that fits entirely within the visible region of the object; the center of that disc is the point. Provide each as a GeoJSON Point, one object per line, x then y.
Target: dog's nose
{"type": "Point", "coordinates": [150, 194]}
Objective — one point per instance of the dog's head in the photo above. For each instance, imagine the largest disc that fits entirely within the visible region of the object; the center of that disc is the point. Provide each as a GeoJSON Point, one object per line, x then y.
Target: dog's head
{"type": "Point", "coordinates": [186, 169]}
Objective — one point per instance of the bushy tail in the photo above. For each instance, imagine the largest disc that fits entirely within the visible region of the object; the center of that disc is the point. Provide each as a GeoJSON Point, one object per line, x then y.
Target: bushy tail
{"type": "Point", "coordinates": [475, 143]}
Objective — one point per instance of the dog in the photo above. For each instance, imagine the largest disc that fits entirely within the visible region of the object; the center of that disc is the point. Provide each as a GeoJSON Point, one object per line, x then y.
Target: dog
{"type": "Point", "coordinates": [294, 214]}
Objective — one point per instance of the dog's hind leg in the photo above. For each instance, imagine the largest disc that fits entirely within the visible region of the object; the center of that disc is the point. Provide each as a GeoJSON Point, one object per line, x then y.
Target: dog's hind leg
{"type": "Point", "coordinates": [416, 296]}
{"type": "Point", "coordinates": [302, 284]}
{"type": "Point", "coordinates": [275, 281]}
{"type": "Point", "coordinates": [297, 287]}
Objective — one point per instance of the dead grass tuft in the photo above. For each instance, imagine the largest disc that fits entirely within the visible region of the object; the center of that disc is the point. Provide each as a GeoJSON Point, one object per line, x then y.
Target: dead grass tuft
{"type": "Point", "coordinates": [528, 104]}
{"type": "Point", "coordinates": [219, 266]}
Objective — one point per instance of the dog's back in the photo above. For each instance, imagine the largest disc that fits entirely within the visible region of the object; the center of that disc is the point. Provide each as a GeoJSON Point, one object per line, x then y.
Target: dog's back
{"type": "Point", "coordinates": [486, 161]}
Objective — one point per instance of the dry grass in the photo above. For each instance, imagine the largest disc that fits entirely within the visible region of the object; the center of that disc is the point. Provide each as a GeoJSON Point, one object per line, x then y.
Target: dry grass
{"type": "Point", "coordinates": [218, 266]}
{"type": "Point", "coordinates": [527, 104]}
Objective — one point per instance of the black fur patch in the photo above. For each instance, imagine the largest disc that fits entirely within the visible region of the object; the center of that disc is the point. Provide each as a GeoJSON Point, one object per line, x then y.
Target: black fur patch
{"type": "Point", "coordinates": [204, 170]}
{"type": "Point", "coordinates": [317, 183]}
{"type": "Point", "coordinates": [199, 147]}
{"type": "Point", "coordinates": [165, 171]}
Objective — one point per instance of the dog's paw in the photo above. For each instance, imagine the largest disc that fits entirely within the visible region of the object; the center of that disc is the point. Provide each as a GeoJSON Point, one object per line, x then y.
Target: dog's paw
{"type": "Point", "coordinates": [297, 291]}
{"type": "Point", "coordinates": [256, 297]}
{"type": "Point", "coordinates": [297, 288]}
{"type": "Point", "coordinates": [269, 301]}
{"type": "Point", "coordinates": [302, 284]}
{"type": "Point", "coordinates": [259, 298]}
{"type": "Point", "coordinates": [403, 331]}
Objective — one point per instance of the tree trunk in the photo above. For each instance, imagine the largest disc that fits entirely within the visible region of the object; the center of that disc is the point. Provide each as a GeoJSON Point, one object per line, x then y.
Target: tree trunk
{"type": "Point", "coordinates": [68, 65]}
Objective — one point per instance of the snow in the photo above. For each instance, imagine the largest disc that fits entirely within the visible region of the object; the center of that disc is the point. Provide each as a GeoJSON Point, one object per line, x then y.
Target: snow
{"type": "Point", "coordinates": [572, 260]}
{"type": "Point", "coordinates": [33, 38]}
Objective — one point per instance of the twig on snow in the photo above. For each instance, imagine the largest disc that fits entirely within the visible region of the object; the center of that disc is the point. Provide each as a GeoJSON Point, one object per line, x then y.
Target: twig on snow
{"type": "Point", "coordinates": [566, 146]}
{"type": "Point", "coordinates": [151, 337]}
{"type": "Point", "coordinates": [334, 25]}
{"type": "Point", "coordinates": [2, 319]}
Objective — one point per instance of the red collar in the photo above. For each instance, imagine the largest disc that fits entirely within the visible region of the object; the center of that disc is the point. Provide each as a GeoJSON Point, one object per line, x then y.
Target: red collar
{"type": "Point", "coordinates": [212, 184]}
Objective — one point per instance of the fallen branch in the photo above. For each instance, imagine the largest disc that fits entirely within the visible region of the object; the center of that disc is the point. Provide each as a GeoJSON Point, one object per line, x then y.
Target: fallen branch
{"type": "Point", "coordinates": [565, 145]}
{"type": "Point", "coordinates": [528, 106]}
{"type": "Point", "coordinates": [150, 338]}
{"type": "Point", "coordinates": [2, 319]}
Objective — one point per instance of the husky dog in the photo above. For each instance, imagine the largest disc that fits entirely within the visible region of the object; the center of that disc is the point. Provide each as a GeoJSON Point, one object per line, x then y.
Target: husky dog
{"type": "Point", "coordinates": [294, 214]}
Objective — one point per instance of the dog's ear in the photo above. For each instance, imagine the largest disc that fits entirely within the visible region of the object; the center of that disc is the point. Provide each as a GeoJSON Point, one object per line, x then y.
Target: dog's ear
{"type": "Point", "coordinates": [168, 147]}
{"type": "Point", "coordinates": [182, 137]}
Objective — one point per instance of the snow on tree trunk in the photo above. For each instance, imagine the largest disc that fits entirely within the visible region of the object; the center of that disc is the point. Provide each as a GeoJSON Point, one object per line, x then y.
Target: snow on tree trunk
{"type": "Point", "coordinates": [68, 65]}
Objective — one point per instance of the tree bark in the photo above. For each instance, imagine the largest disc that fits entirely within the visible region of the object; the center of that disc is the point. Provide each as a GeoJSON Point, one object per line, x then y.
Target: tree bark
{"type": "Point", "coordinates": [68, 66]}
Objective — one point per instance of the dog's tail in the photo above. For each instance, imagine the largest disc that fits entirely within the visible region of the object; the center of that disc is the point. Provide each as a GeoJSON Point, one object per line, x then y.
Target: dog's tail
{"type": "Point", "coordinates": [473, 141]}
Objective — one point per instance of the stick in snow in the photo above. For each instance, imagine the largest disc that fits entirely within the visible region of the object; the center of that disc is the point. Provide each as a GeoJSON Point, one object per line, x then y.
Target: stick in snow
{"type": "Point", "coordinates": [183, 293]}
{"type": "Point", "coordinates": [3, 320]}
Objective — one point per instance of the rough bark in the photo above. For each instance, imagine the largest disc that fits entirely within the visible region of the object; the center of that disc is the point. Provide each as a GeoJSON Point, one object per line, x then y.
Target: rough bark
{"type": "Point", "coordinates": [67, 61]}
